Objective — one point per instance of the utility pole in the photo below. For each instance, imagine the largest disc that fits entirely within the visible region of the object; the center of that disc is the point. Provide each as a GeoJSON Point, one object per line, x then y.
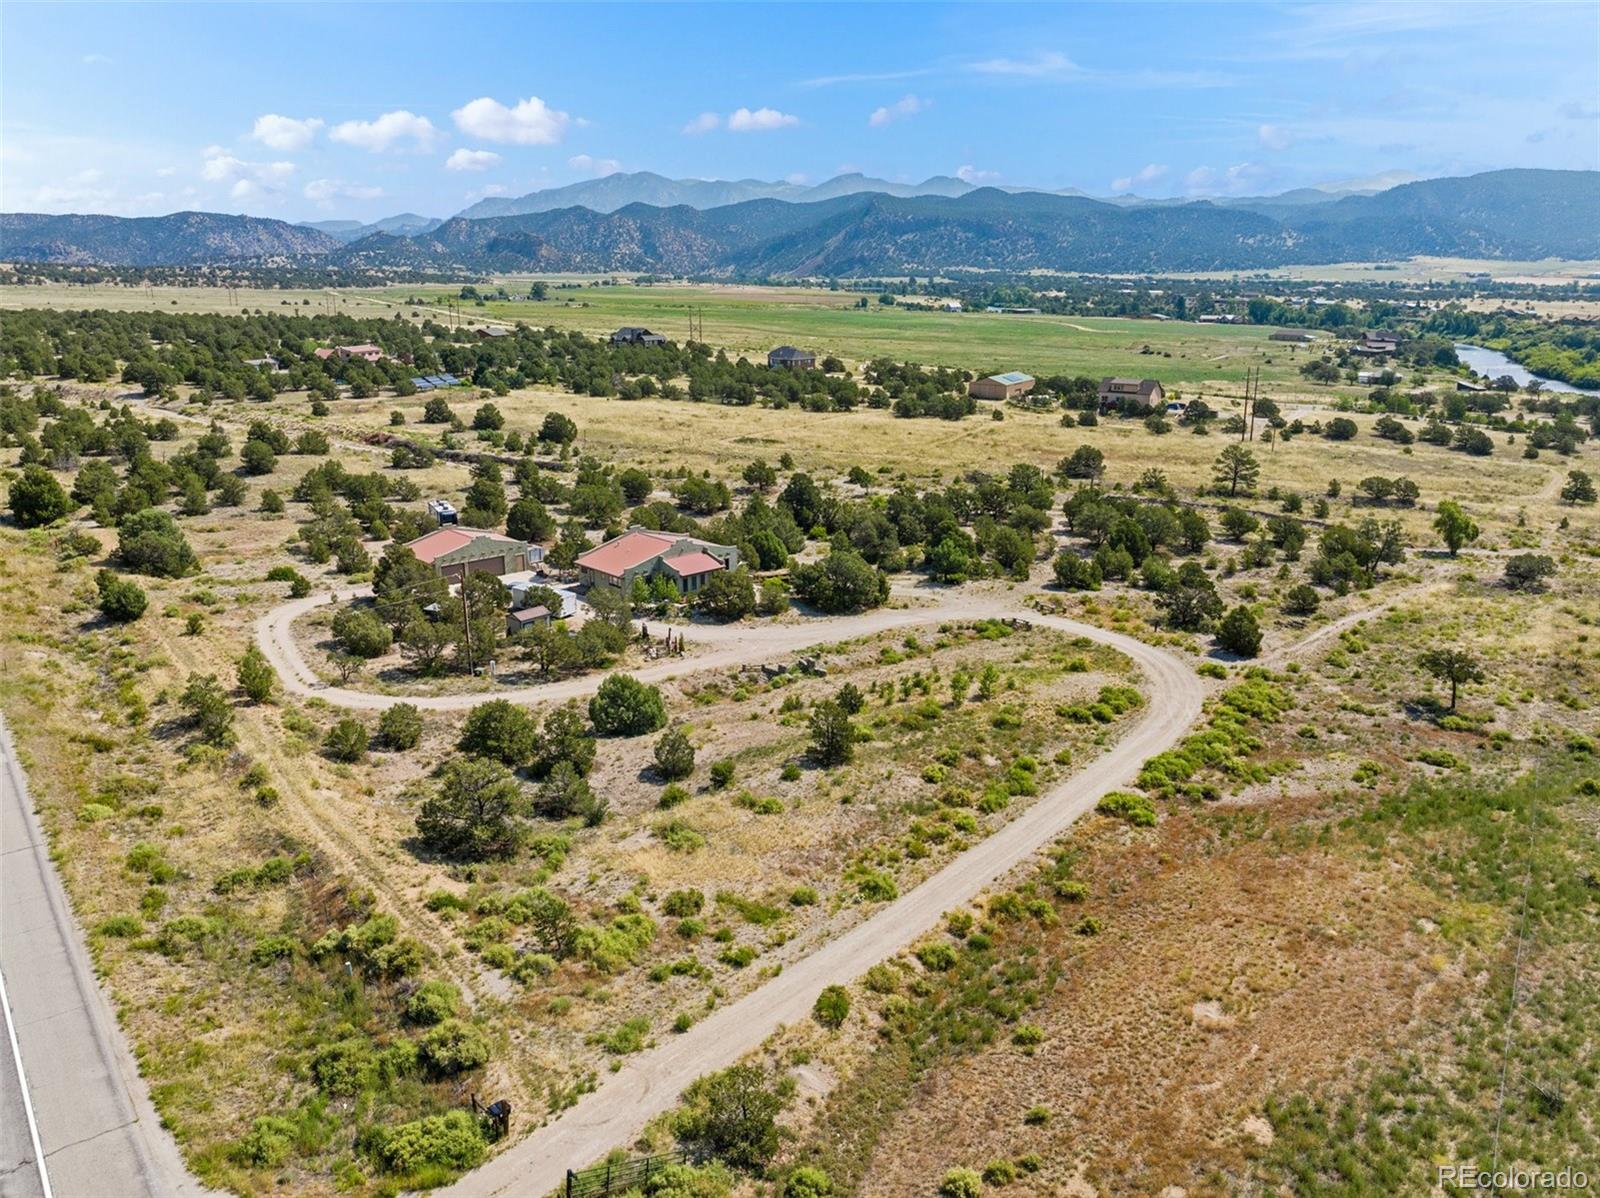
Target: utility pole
{"type": "Point", "coordinates": [466, 616]}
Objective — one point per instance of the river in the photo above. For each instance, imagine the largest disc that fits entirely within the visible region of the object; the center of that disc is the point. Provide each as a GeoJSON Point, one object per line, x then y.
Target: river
{"type": "Point", "coordinates": [1493, 363]}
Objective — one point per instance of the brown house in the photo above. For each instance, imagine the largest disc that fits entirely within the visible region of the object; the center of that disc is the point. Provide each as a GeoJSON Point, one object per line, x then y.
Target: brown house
{"type": "Point", "coordinates": [1011, 385]}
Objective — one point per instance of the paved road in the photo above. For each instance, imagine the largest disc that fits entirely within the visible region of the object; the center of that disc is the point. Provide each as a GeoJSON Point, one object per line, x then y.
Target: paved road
{"type": "Point", "coordinates": [100, 1133]}
{"type": "Point", "coordinates": [650, 1083]}
{"type": "Point", "coordinates": [21, 1175]}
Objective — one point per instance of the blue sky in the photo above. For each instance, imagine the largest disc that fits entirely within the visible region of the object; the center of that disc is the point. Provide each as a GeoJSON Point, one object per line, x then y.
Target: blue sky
{"type": "Point", "coordinates": [361, 110]}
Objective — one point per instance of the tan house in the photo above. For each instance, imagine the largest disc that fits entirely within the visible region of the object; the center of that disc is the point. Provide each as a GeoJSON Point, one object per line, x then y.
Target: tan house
{"type": "Point", "coordinates": [1011, 385]}
{"type": "Point", "coordinates": [454, 552]}
{"type": "Point", "coordinates": [643, 553]}
{"type": "Point", "coordinates": [1117, 395]}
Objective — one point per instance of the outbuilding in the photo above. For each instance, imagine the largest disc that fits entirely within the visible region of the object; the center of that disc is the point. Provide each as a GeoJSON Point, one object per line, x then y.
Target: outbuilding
{"type": "Point", "coordinates": [1010, 385]}
{"type": "Point", "coordinates": [790, 358]}
{"type": "Point", "coordinates": [455, 551]}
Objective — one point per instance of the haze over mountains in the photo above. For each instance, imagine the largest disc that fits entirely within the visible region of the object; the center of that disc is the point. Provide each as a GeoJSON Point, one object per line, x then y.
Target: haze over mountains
{"type": "Point", "coordinates": [945, 225]}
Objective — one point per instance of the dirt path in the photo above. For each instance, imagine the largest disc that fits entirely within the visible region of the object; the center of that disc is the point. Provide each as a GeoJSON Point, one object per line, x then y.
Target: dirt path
{"type": "Point", "coordinates": [721, 645]}
{"type": "Point", "coordinates": [650, 1083]}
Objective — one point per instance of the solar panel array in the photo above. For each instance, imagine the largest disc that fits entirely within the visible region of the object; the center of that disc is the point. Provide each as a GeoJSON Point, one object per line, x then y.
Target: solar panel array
{"type": "Point", "coordinates": [428, 382]}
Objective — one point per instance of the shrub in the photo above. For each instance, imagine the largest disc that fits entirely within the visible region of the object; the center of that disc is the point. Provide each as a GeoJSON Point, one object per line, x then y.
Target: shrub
{"type": "Point", "coordinates": [832, 735]}
{"type": "Point", "coordinates": [38, 499]}
{"type": "Point", "coordinates": [346, 740]}
{"type": "Point", "coordinates": [999, 1172]}
{"type": "Point", "coordinates": [674, 755]}
{"type": "Point", "coordinates": [433, 1002]}
{"type": "Point", "coordinates": [268, 1141]}
{"type": "Point", "coordinates": [1301, 600]}
{"type": "Point", "coordinates": [149, 542]}
{"type": "Point", "coordinates": [679, 836]}
{"type": "Point", "coordinates": [936, 956]}
{"type": "Point", "coordinates": [121, 599]}
{"type": "Point", "coordinates": [961, 1183]}
{"type": "Point", "coordinates": [682, 903]}
{"type": "Point", "coordinates": [1076, 573]}
{"type": "Point", "coordinates": [721, 774]}
{"type": "Point", "coordinates": [399, 727]}
{"type": "Point", "coordinates": [1240, 632]}
{"type": "Point", "coordinates": [453, 1141]}
{"type": "Point", "coordinates": [473, 813]}
{"type": "Point", "coordinates": [454, 1046]}
{"type": "Point", "coordinates": [832, 1006]}
{"type": "Point", "coordinates": [624, 706]}
{"type": "Point", "coordinates": [732, 1115]}
{"type": "Point", "coordinates": [501, 730]}
{"type": "Point", "coordinates": [672, 795]}
{"type": "Point", "coordinates": [807, 1182]}
{"type": "Point", "coordinates": [255, 675]}
{"type": "Point", "coordinates": [1135, 809]}
{"type": "Point", "coordinates": [361, 634]}
{"type": "Point", "coordinates": [1036, 1116]}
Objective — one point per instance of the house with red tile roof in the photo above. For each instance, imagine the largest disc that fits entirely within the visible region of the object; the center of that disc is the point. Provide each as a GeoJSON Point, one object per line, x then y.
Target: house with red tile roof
{"type": "Point", "coordinates": [455, 551]}
{"type": "Point", "coordinates": [367, 353]}
{"type": "Point", "coordinates": [644, 553]}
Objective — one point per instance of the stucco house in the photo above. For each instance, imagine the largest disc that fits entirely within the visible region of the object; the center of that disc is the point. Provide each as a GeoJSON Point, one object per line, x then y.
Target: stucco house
{"type": "Point", "coordinates": [643, 553]}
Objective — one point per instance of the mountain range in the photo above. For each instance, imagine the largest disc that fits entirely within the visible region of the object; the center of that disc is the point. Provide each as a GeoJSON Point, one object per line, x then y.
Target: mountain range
{"type": "Point", "coordinates": [1514, 214]}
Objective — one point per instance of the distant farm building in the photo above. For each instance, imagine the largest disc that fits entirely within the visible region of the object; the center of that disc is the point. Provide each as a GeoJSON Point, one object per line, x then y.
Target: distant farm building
{"type": "Point", "coordinates": [1011, 385]}
{"type": "Point", "coordinates": [950, 306]}
{"type": "Point", "coordinates": [493, 330]}
{"type": "Point", "coordinates": [642, 553]}
{"type": "Point", "coordinates": [634, 335]}
{"type": "Point", "coordinates": [1012, 311]}
{"type": "Point", "coordinates": [1220, 318]}
{"type": "Point", "coordinates": [791, 358]}
{"type": "Point", "coordinates": [454, 552]}
{"type": "Point", "coordinates": [1471, 385]}
{"type": "Point", "coordinates": [1375, 377]}
{"type": "Point", "coordinates": [1378, 343]}
{"type": "Point", "coordinates": [1288, 335]}
{"type": "Point", "coordinates": [268, 363]}
{"type": "Point", "coordinates": [1119, 395]}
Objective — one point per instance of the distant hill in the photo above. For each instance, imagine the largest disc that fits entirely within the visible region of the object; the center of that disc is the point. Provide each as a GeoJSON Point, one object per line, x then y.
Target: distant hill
{"type": "Point", "coordinates": [406, 224]}
{"type": "Point", "coordinates": [611, 192]}
{"type": "Point", "coordinates": [1501, 214]}
{"type": "Point", "coordinates": [181, 239]}
{"type": "Point", "coordinates": [1504, 214]}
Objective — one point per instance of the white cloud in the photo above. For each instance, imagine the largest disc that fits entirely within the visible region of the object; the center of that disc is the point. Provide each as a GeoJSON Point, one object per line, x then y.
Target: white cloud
{"type": "Point", "coordinates": [797, 178]}
{"type": "Point", "coordinates": [905, 106]}
{"type": "Point", "coordinates": [471, 160]}
{"type": "Point", "coordinates": [285, 132]}
{"type": "Point", "coordinates": [1142, 177]}
{"type": "Point", "coordinates": [1275, 137]}
{"type": "Point", "coordinates": [324, 191]}
{"type": "Point", "coordinates": [1046, 64]}
{"type": "Point", "coordinates": [743, 120]}
{"type": "Point", "coordinates": [387, 130]}
{"type": "Point", "coordinates": [596, 167]}
{"type": "Point", "coordinates": [248, 179]}
{"type": "Point", "coordinates": [704, 123]}
{"type": "Point", "coordinates": [531, 122]}
{"type": "Point", "coordinates": [1235, 180]}
{"type": "Point", "coordinates": [971, 174]}
{"type": "Point", "coordinates": [96, 60]}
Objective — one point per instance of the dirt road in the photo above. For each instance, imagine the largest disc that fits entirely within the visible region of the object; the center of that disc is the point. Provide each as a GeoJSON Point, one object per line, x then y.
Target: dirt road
{"type": "Point", "coordinates": [650, 1083]}
{"type": "Point", "coordinates": [716, 647]}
